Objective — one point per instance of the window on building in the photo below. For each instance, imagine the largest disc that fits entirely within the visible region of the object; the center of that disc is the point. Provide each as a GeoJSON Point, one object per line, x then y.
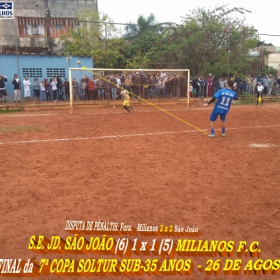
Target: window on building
{"type": "Point", "coordinates": [54, 72]}
{"type": "Point", "coordinates": [37, 27]}
{"type": "Point", "coordinates": [32, 27]}
{"type": "Point", "coordinates": [60, 27]}
{"type": "Point", "coordinates": [32, 72]}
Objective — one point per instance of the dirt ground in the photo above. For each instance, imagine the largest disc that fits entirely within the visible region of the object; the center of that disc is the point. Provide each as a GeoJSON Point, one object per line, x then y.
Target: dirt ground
{"type": "Point", "coordinates": [143, 167]}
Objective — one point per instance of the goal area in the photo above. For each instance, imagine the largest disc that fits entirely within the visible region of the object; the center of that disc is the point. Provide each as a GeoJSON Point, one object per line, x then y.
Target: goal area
{"type": "Point", "coordinates": [98, 85]}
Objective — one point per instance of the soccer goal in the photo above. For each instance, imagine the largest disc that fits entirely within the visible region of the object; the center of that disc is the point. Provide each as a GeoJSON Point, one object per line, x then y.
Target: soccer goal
{"type": "Point", "coordinates": [90, 84]}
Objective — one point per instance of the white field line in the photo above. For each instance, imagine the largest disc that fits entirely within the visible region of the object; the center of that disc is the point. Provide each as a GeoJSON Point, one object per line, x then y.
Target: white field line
{"type": "Point", "coordinates": [122, 136]}
{"type": "Point", "coordinates": [97, 137]}
{"type": "Point", "coordinates": [124, 112]}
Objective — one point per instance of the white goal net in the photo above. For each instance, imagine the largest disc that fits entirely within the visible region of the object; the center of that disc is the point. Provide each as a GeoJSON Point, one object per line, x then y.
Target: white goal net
{"type": "Point", "coordinates": [91, 85]}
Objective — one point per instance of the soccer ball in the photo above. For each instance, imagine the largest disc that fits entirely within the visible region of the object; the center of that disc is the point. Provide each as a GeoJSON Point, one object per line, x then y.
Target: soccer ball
{"type": "Point", "coordinates": [114, 107]}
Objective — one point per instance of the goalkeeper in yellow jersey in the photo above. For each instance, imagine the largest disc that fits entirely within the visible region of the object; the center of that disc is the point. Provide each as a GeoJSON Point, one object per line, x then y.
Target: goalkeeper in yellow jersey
{"type": "Point", "coordinates": [126, 101]}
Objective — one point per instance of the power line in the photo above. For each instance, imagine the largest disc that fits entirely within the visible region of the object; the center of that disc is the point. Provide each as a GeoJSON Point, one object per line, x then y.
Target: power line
{"type": "Point", "coordinates": [173, 27]}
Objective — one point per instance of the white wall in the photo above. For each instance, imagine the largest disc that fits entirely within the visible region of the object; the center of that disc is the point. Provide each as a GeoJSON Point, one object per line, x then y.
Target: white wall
{"type": "Point", "coordinates": [274, 60]}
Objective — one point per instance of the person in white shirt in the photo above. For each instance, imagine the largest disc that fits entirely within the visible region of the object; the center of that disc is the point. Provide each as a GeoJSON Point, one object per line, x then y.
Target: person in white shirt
{"type": "Point", "coordinates": [27, 92]}
{"type": "Point", "coordinates": [16, 82]}
{"type": "Point", "coordinates": [260, 89]}
{"type": "Point", "coordinates": [43, 91]}
{"type": "Point", "coordinates": [54, 88]}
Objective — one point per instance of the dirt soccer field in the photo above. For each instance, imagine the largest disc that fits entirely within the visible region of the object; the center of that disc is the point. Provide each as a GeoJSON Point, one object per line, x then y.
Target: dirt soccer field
{"type": "Point", "coordinates": [143, 167]}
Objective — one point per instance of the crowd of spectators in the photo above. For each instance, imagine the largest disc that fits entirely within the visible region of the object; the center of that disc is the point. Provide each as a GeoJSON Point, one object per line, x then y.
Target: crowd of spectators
{"type": "Point", "coordinates": [142, 84]}
{"type": "Point", "coordinates": [148, 85]}
{"type": "Point", "coordinates": [206, 87]}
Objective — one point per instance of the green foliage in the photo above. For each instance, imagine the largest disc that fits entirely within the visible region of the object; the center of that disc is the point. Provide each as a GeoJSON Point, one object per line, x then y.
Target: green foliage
{"type": "Point", "coordinates": [266, 70]}
{"type": "Point", "coordinates": [21, 128]}
{"type": "Point", "coordinates": [8, 110]}
{"type": "Point", "coordinates": [97, 37]}
{"type": "Point", "coordinates": [217, 38]}
{"type": "Point", "coordinates": [145, 40]}
{"type": "Point", "coordinates": [213, 41]}
{"type": "Point", "coordinates": [208, 41]}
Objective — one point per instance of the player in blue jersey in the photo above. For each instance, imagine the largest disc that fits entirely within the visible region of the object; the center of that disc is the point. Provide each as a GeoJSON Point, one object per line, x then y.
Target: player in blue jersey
{"type": "Point", "coordinates": [224, 96]}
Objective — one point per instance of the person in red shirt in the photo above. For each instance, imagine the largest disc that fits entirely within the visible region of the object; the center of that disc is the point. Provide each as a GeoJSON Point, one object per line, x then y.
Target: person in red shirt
{"type": "Point", "coordinates": [91, 87]}
{"type": "Point", "coordinates": [210, 85]}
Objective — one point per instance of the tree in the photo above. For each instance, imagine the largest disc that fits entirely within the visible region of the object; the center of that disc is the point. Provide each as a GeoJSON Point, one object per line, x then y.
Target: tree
{"type": "Point", "coordinates": [217, 40]}
{"type": "Point", "coordinates": [144, 40]}
{"type": "Point", "coordinates": [97, 37]}
{"type": "Point", "coordinates": [133, 30]}
{"type": "Point", "coordinates": [266, 70]}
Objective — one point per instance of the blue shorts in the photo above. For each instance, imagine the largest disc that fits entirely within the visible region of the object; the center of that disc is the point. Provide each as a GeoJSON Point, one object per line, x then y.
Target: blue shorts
{"type": "Point", "coordinates": [215, 114]}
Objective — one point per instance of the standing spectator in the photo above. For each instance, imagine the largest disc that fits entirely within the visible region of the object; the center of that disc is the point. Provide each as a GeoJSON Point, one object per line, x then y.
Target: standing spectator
{"type": "Point", "coordinates": [160, 88]}
{"type": "Point", "coordinates": [27, 92]}
{"type": "Point", "coordinates": [209, 85]}
{"type": "Point", "coordinates": [83, 86]}
{"type": "Point", "coordinates": [36, 89]}
{"type": "Point", "coordinates": [128, 82]}
{"type": "Point", "coordinates": [16, 82]}
{"type": "Point", "coordinates": [118, 84]}
{"type": "Point", "coordinates": [278, 83]}
{"type": "Point", "coordinates": [164, 87]}
{"type": "Point", "coordinates": [54, 89]}
{"type": "Point", "coordinates": [152, 85]}
{"type": "Point", "coordinates": [114, 89]}
{"type": "Point", "coordinates": [259, 79]}
{"type": "Point", "coordinates": [222, 84]}
{"type": "Point", "coordinates": [48, 90]}
{"type": "Point", "coordinates": [271, 82]}
{"type": "Point", "coordinates": [107, 87]}
{"type": "Point", "coordinates": [43, 91]}
{"type": "Point", "coordinates": [216, 84]}
{"type": "Point", "coordinates": [249, 82]}
{"type": "Point", "coordinates": [91, 88]}
{"type": "Point", "coordinates": [254, 84]}
{"type": "Point", "coordinates": [100, 89]}
{"type": "Point", "coordinates": [66, 88]}
{"type": "Point", "coordinates": [196, 86]}
{"type": "Point", "coordinates": [265, 84]}
{"type": "Point", "coordinates": [243, 86]}
{"type": "Point", "coordinates": [238, 82]}
{"type": "Point", "coordinates": [260, 89]}
{"type": "Point", "coordinates": [190, 90]}
{"type": "Point", "coordinates": [76, 89]}
{"type": "Point", "coordinates": [51, 87]}
{"type": "Point", "coordinates": [59, 88]}
{"type": "Point", "coordinates": [201, 86]}
{"type": "Point", "coordinates": [3, 92]}
{"type": "Point", "coordinates": [122, 77]}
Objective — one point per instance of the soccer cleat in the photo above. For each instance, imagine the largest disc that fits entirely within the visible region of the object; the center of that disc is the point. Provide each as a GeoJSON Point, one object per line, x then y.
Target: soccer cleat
{"type": "Point", "coordinates": [132, 108]}
{"type": "Point", "coordinates": [223, 134]}
{"type": "Point", "coordinates": [211, 135]}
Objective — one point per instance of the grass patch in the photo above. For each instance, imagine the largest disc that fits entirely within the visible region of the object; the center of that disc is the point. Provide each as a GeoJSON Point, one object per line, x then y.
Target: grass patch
{"type": "Point", "coordinates": [246, 98]}
{"type": "Point", "coordinates": [21, 128]}
{"type": "Point", "coordinates": [10, 111]}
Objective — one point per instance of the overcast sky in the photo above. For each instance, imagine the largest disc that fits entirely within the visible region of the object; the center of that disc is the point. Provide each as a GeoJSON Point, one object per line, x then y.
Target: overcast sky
{"type": "Point", "coordinates": [264, 17]}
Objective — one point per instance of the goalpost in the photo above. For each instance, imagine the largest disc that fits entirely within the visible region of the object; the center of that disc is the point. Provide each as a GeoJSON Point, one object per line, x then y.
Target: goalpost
{"type": "Point", "coordinates": [147, 85]}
